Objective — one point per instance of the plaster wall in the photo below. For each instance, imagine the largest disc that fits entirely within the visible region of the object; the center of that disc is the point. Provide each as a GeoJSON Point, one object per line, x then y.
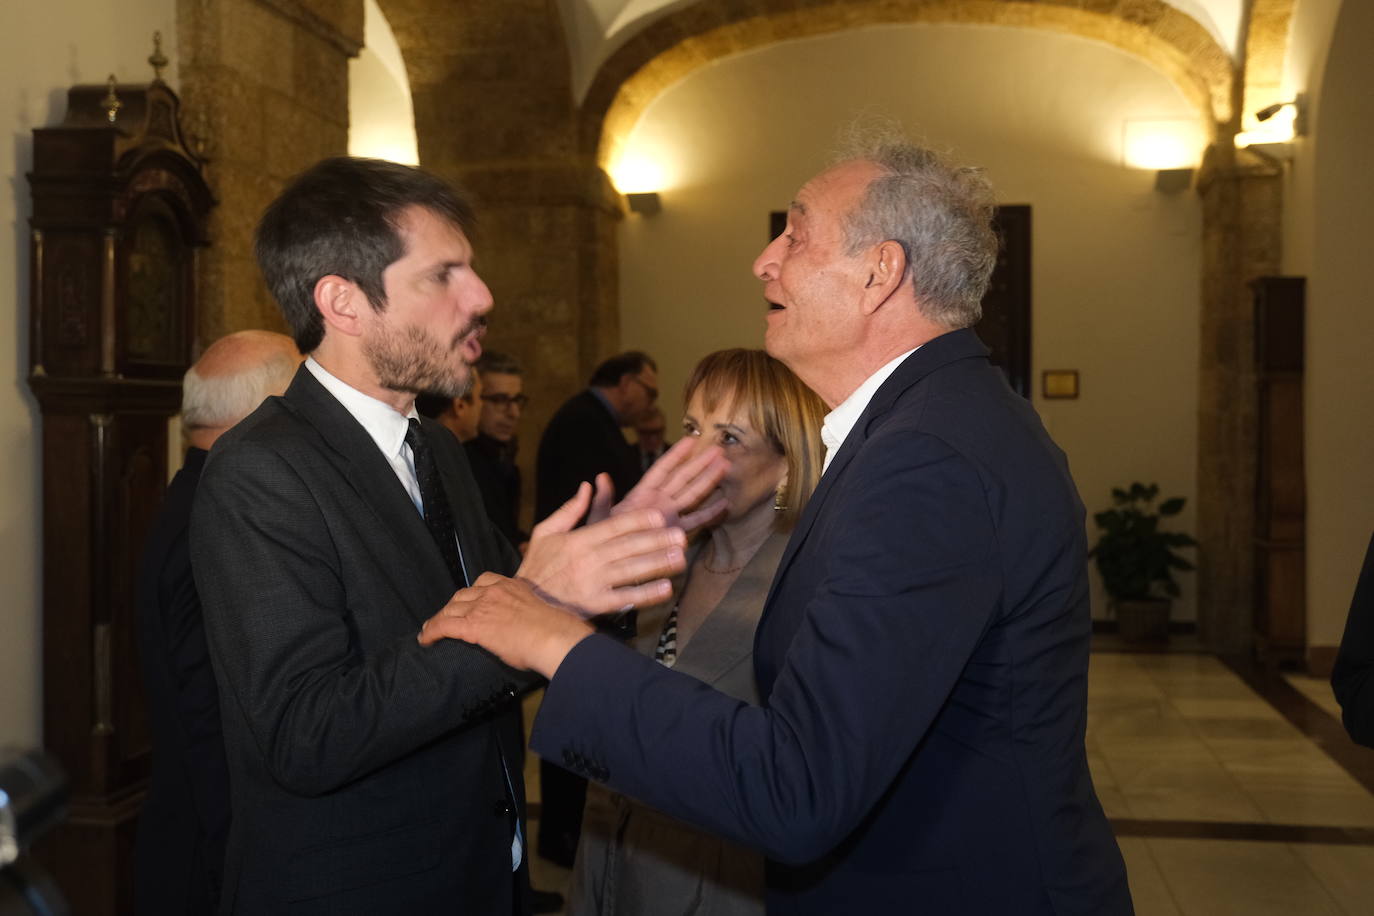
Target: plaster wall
{"type": "Point", "coordinates": [44, 49]}
{"type": "Point", "coordinates": [1115, 264]}
{"type": "Point", "coordinates": [1339, 390]}
{"type": "Point", "coordinates": [1309, 40]}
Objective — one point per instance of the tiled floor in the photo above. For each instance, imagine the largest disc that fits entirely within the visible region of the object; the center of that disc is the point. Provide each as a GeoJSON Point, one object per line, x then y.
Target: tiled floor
{"type": "Point", "coordinates": [1222, 805]}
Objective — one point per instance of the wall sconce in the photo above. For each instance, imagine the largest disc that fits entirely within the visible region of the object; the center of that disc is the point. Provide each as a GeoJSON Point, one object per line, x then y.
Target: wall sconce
{"type": "Point", "coordinates": [1278, 123]}
{"type": "Point", "coordinates": [1299, 103]}
{"type": "Point", "coordinates": [645, 203]}
{"type": "Point", "coordinates": [1172, 181]}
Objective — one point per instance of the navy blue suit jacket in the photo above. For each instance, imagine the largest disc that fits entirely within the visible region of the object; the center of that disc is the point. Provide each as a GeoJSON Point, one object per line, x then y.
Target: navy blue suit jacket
{"type": "Point", "coordinates": [582, 440]}
{"type": "Point", "coordinates": [923, 659]}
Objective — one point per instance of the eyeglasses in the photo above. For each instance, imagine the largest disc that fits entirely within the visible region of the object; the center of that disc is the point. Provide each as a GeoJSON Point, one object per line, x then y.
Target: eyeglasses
{"type": "Point", "coordinates": [506, 401]}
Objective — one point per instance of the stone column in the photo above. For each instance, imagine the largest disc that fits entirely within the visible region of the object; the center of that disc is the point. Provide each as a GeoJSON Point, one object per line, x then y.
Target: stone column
{"type": "Point", "coordinates": [265, 86]}
{"type": "Point", "coordinates": [490, 82]}
{"type": "Point", "coordinates": [1241, 236]}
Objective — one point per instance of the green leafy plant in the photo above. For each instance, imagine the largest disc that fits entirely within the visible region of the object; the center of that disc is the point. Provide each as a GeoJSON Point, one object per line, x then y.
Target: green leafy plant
{"type": "Point", "coordinates": [1136, 559]}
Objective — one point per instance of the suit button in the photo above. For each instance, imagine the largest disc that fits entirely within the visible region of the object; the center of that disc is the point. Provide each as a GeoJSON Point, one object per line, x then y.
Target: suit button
{"type": "Point", "coordinates": [501, 808]}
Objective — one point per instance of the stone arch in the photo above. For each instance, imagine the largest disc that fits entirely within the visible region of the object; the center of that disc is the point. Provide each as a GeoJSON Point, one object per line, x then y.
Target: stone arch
{"type": "Point", "coordinates": [1266, 47]}
{"type": "Point", "coordinates": [681, 42]}
{"type": "Point", "coordinates": [381, 119]}
{"type": "Point", "coordinates": [494, 112]}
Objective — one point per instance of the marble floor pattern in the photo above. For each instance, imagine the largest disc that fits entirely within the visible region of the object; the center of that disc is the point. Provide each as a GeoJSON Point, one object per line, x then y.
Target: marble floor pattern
{"type": "Point", "coordinates": [1231, 792]}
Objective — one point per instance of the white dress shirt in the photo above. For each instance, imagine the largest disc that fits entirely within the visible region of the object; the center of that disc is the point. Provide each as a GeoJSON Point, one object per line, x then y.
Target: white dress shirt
{"type": "Point", "coordinates": [841, 420]}
{"type": "Point", "coordinates": [383, 423]}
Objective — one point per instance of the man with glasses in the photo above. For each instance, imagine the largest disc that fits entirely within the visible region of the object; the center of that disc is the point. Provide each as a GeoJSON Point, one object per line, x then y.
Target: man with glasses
{"type": "Point", "coordinates": [582, 440]}
{"type": "Point", "coordinates": [491, 453]}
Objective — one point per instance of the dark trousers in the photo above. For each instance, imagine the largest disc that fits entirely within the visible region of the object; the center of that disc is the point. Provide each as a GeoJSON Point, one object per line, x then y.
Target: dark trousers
{"type": "Point", "coordinates": [562, 795]}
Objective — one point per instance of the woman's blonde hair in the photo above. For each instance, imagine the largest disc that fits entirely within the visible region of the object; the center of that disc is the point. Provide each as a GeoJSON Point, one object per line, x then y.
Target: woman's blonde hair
{"type": "Point", "coordinates": [778, 405]}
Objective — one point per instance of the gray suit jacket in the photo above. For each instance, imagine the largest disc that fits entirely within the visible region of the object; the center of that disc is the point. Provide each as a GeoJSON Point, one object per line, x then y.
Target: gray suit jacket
{"type": "Point", "coordinates": [366, 773]}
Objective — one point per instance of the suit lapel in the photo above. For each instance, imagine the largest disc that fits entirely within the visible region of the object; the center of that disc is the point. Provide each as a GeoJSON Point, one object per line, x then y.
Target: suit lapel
{"type": "Point", "coordinates": [726, 635]}
{"type": "Point", "coordinates": [934, 355]}
{"type": "Point", "coordinates": [419, 570]}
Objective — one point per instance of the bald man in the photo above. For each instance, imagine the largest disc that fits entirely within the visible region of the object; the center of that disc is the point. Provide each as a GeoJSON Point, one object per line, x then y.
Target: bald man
{"type": "Point", "coordinates": [182, 829]}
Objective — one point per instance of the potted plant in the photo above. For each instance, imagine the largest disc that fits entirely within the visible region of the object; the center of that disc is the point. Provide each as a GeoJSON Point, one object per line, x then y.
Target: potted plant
{"type": "Point", "coordinates": [1137, 560]}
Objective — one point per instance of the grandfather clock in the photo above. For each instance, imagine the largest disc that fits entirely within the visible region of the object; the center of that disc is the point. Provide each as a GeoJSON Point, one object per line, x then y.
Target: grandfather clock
{"type": "Point", "coordinates": [119, 210]}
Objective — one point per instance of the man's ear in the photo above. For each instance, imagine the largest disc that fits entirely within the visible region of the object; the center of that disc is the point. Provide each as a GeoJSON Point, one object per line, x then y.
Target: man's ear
{"type": "Point", "coordinates": [340, 303]}
{"type": "Point", "coordinates": [886, 270]}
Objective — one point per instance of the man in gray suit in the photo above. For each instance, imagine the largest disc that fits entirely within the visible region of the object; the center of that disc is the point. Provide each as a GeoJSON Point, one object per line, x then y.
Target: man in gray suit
{"type": "Point", "coordinates": [367, 772]}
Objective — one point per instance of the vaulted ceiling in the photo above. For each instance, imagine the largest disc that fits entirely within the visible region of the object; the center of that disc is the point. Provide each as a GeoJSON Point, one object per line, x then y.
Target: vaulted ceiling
{"type": "Point", "coordinates": [596, 28]}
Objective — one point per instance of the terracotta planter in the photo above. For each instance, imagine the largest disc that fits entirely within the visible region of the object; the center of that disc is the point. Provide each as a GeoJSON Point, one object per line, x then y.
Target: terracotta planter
{"type": "Point", "coordinates": [1144, 620]}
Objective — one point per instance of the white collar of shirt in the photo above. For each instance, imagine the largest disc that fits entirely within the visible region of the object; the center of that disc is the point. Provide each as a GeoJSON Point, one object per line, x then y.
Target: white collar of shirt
{"type": "Point", "coordinates": [841, 420]}
{"type": "Point", "coordinates": [383, 423]}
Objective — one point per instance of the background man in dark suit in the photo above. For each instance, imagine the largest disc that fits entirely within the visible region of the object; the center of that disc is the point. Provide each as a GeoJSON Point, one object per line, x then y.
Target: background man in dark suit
{"type": "Point", "coordinates": [182, 826]}
{"type": "Point", "coordinates": [923, 652]}
{"type": "Point", "coordinates": [367, 772]}
{"type": "Point", "coordinates": [583, 437]}
{"type": "Point", "coordinates": [582, 440]}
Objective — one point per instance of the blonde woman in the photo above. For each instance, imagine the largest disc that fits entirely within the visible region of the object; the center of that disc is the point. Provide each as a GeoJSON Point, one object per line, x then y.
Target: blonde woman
{"type": "Point", "coordinates": [632, 860]}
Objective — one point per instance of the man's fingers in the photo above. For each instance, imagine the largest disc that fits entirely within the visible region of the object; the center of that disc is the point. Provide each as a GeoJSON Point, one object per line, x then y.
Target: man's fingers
{"type": "Point", "coordinates": [641, 565]}
{"type": "Point", "coordinates": [640, 520]}
{"type": "Point", "coordinates": [442, 626]}
{"type": "Point", "coordinates": [642, 595]}
{"type": "Point", "coordinates": [683, 471]}
{"type": "Point", "coordinates": [705, 475]}
{"type": "Point", "coordinates": [566, 516]}
{"type": "Point", "coordinates": [603, 494]}
{"type": "Point", "coordinates": [705, 515]}
{"type": "Point", "coordinates": [669, 462]}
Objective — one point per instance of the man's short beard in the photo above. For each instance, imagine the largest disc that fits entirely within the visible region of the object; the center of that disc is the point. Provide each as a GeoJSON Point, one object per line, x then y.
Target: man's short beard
{"type": "Point", "coordinates": [411, 360]}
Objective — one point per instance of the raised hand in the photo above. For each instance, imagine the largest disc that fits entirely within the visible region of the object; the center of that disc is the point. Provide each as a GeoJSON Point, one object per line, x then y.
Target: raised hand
{"type": "Point", "coordinates": [611, 565]}
{"type": "Point", "coordinates": [508, 618]}
{"type": "Point", "coordinates": [675, 485]}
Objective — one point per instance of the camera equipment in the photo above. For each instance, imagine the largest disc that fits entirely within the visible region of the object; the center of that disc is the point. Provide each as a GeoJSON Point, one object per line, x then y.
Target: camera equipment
{"type": "Point", "coordinates": [33, 798]}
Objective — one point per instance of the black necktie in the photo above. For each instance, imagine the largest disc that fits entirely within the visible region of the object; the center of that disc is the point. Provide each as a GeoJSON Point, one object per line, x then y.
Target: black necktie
{"type": "Point", "coordinates": [437, 516]}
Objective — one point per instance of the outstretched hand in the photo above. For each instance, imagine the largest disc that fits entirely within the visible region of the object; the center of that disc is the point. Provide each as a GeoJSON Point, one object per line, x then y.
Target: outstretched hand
{"type": "Point", "coordinates": [610, 565]}
{"type": "Point", "coordinates": [508, 618]}
{"type": "Point", "coordinates": [675, 485]}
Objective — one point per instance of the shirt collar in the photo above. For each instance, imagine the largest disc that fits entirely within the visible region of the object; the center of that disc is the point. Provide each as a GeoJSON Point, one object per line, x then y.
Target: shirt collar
{"type": "Point", "coordinates": [383, 423]}
{"type": "Point", "coordinates": [841, 420]}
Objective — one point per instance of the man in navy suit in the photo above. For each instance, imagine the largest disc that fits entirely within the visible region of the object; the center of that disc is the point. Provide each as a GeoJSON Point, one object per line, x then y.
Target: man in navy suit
{"type": "Point", "coordinates": [923, 653]}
